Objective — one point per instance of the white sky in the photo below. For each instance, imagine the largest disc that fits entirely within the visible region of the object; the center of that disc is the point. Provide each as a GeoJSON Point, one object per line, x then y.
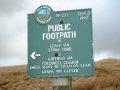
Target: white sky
{"type": "Point", "coordinates": [13, 26]}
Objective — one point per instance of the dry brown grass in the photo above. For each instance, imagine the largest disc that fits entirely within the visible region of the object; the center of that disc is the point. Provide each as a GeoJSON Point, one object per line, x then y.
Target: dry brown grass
{"type": "Point", "coordinates": [98, 83]}
{"type": "Point", "coordinates": [15, 78]}
{"type": "Point", "coordinates": [107, 77]}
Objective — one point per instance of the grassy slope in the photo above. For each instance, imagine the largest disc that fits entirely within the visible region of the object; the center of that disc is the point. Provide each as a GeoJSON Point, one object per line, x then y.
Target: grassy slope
{"type": "Point", "coordinates": [107, 77]}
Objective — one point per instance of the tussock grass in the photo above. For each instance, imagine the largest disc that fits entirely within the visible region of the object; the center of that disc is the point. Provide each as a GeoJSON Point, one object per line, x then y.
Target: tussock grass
{"type": "Point", "coordinates": [98, 83]}
{"type": "Point", "coordinates": [107, 77]}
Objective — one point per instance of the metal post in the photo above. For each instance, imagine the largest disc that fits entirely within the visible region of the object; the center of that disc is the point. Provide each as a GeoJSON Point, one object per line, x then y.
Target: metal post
{"type": "Point", "coordinates": [62, 83]}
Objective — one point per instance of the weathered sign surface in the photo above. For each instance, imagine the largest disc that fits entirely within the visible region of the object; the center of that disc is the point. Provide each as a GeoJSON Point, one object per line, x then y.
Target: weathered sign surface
{"type": "Point", "coordinates": [60, 43]}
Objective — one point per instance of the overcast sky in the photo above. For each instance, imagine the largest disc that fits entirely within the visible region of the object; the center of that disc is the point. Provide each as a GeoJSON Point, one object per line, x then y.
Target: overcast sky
{"type": "Point", "coordinates": [13, 26]}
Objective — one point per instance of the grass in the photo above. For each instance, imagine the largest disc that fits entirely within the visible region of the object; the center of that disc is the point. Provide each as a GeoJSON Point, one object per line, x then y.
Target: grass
{"type": "Point", "coordinates": [98, 83]}
{"type": "Point", "coordinates": [107, 77]}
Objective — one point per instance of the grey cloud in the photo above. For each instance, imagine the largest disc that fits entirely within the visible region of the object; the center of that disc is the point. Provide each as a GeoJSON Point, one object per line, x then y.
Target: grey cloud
{"type": "Point", "coordinates": [13, 29]}
{"type": "Point", "coordinates": [107, 29]}
{"type": "Point", "coordinates": [8, 7]}
{"type": "Point", "coordinates": [13, 36]}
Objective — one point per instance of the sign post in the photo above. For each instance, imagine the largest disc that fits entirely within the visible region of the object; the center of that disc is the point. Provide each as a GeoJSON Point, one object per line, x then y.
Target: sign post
{"type": "Point", "coordinates": [60, 44]}
{"type": "Point", "coordinates": [62, 83]}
